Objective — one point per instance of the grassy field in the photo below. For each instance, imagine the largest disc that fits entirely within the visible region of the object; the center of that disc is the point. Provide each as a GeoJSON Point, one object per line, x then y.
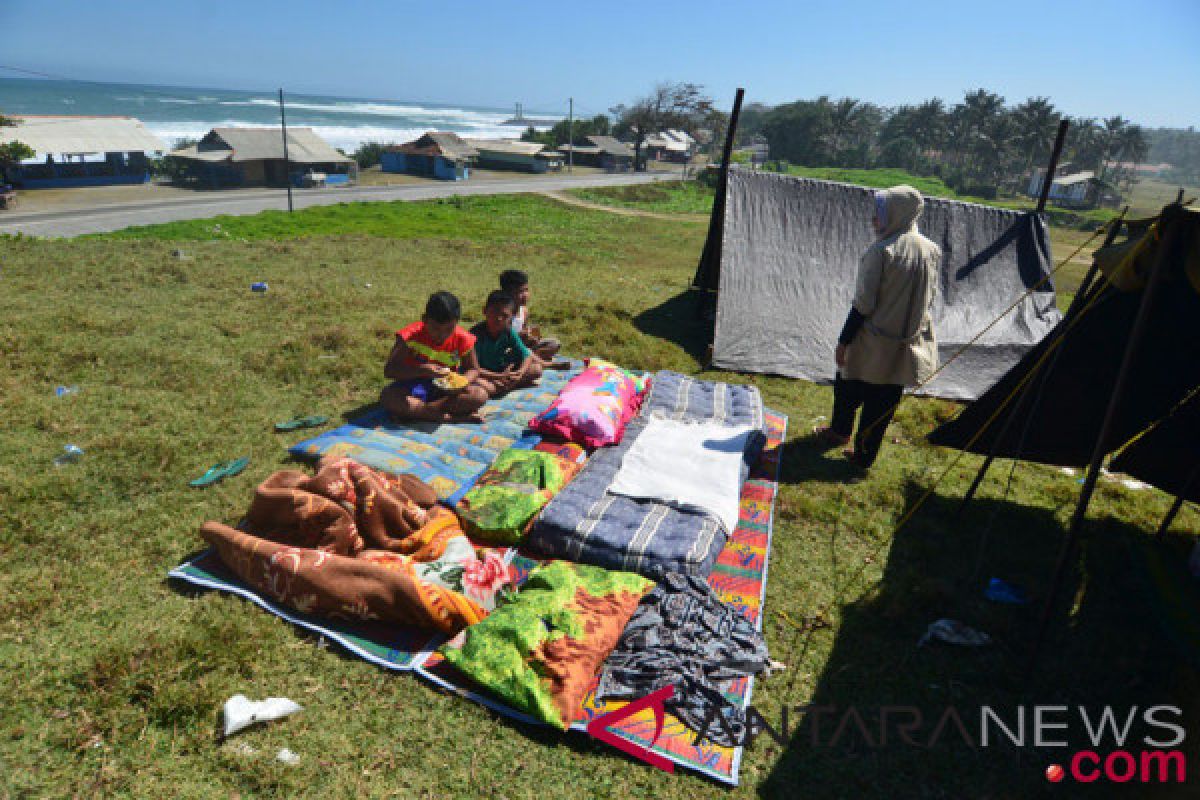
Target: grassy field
{"type": "Point", "coordinates": [1148, 196]}
{"type": "Point", "coordinates": [684, 197]}
{"type": "Point", "coordinates": [115, 677]}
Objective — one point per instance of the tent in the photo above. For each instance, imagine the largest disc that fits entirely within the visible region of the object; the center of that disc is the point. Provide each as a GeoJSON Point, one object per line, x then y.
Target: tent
{"type": "Point", "coordinates": [1121, 371]}
{"type": "Point", "coordinates": [788, 257]}
{"type": "Point", "coordinates": [1066, 382]}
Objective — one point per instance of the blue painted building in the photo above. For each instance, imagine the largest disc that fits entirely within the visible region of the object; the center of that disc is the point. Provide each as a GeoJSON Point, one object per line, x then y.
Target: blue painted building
{"type": "Point", "coordinates": [81, 151]}
{"type": "Point", "coordinates": [441, 155]}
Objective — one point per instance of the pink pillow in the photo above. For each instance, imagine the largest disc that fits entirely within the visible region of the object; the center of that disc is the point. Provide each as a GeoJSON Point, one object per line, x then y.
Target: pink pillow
{"type": "Point", "coordinates": [594, 407]}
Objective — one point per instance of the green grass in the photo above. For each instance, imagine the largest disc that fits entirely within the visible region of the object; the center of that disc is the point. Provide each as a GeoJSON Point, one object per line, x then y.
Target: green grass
{"type": "Point", "coordinates": [1147, 197]}
{"type": "Point", "coordinates": [692, 198]}
{"type": "Point", "coordinates": [877, 179]}
{"type": "Point", "coordinates": [681, 197]}
{"type": "Point", "coordinates": [114, 678]}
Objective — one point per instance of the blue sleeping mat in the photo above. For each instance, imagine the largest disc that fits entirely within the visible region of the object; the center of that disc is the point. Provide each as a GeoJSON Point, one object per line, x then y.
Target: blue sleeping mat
{"type": "Point", "coordinates": [587, 524]}
{"type": "Point", "coordinates": [450, 458]}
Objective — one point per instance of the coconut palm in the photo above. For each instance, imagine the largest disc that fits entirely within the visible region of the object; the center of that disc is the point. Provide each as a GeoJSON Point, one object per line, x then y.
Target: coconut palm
{"type": "Point", "coordinates": [1036, 119]}
{"type": "Point", "coordinates": [929, 124]}
{"type": "Point", "coordinates": [852, 124]}
{"type": "Point", "coordinates": [973, 124]}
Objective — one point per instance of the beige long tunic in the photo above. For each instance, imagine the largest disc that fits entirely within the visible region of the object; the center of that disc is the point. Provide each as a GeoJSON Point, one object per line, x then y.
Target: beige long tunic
{"type": "Point", "coordinates": [896, 287]}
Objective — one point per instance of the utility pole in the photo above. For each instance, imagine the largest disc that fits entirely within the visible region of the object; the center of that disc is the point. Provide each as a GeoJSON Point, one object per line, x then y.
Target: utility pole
{"type": "Point", "coordinates": [570, 135]}
{"type": "Point", "coordinates": [287, 178]}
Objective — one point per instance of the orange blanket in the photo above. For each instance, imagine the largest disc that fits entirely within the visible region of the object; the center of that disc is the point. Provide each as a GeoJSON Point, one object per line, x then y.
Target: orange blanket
{"type": "Point", "coordinates": [357, 543]}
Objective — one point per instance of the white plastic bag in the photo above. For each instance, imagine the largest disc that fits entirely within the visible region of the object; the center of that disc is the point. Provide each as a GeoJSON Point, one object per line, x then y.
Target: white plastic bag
{"type": "Point", "coordinates": [241, 712]}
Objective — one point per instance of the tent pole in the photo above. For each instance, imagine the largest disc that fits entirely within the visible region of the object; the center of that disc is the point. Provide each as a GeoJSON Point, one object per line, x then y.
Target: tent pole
{"type": "Point", "coordinates": [1076, 303]}
{"type": "Point", "coordinates": [1170, 517]}
{"type": "Point", "coordinates": [710, 258]}
{"type": "Point", "coordinates": [1048, 179]}
{"type": "Point", "coordinates": [1178, 504]}
{"type": "Point", "coordinates": [1067, 551]}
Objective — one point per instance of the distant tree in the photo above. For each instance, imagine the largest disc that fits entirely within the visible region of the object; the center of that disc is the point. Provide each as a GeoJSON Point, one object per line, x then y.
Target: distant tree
{"type": "Point", "coordinates": [716, 122]}
{"type": "Point", "coordinates": [852, 131]}
{"type": "Point", "coordinates": [912, 137]}
{"type": "Point", "coordinates": [12, 152]}
{"type": "Point", "coordinates": [1036, 120]}
{"type": "Point", "coordinates": [975, 135]}
{"type": "Point", "coordinates": [1133, 148]}
{"type": "Point", "coordinates": [669, 105]}
{"type": "Point", "coordinates": [750, 122]}
{"type": "Point", "coordinates": [1086, 145]}
{"type": "Point", "coordinates": [369, 153]}
{"type": "Point", "coordinates": [799, 131]}
{"type": "Point", "coordinates": [1178, 147]}
{"type": "Point", "coordinates": [532, 134]}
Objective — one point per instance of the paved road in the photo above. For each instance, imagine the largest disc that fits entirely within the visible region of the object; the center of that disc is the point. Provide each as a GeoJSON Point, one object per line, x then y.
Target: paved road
{"type": "Point", "coordinates": [74, 222]}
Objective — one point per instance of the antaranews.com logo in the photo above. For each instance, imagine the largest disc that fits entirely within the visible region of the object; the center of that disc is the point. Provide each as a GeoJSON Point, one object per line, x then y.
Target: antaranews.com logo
{"type": "Point", "coordinates": [1131, 745]}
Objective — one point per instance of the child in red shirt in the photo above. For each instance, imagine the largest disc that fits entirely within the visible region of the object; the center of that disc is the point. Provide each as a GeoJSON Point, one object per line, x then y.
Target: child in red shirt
{"type": "Point", "coordinates": [433, 348]}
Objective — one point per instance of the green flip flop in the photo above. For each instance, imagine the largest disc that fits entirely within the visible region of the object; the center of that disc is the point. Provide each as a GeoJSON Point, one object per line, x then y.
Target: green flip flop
{"type": "Point", "coordinates": [295, 423]}
{"type": "Point", "coordinates": [219, 471]}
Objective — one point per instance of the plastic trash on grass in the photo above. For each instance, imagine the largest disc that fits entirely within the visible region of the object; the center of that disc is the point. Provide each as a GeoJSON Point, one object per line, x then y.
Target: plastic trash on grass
{"type": "Point", "coordinates": [951, 631]}
{"type": "Point", "coordinates": [999, 591]}
{"type": "Point", "coordinates": [287, 756]}
{"type": "Point", "coordinates": [241, 712]}
{"type": "Point", "coordinates": [70, 454]}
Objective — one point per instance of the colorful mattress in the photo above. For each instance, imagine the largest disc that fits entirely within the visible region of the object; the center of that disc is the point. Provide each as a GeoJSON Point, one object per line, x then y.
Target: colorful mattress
{"type": "Point", "coordinates": [450, 458]}
{"type": "Point", "coordinates": [588, 524]}
{"type": "Point", "coordinates": [739, 576]}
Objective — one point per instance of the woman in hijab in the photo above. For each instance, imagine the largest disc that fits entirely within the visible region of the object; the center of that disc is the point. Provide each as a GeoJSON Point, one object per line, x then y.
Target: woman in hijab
{"type": "Point", "coordinates": [887, 342]}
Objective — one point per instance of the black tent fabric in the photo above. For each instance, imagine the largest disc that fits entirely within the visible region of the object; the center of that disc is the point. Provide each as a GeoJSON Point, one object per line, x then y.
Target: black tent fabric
{"type": "Point", "coordinates": [1058, 420]}
{"type": "Point", "coordinates": [1168, 455]}
{"type": "Point", "coordinates": [789, 259]}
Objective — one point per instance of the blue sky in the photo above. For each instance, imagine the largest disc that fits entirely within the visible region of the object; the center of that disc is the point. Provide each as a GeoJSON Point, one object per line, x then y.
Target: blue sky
{"type": "Point", "coordinates": [1095, 58]}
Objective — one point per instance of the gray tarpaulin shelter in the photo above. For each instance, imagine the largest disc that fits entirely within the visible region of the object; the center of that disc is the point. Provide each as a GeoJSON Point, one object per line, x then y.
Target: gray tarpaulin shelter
{"type": "Point", "coordinates": [789, 258]}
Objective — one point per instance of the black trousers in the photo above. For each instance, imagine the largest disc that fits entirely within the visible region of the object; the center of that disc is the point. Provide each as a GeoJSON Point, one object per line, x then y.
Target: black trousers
{"type": "Point", "coordinates": [878, 403]}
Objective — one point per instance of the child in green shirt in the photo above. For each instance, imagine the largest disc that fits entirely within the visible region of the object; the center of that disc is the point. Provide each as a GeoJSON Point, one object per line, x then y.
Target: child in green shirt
{"type": "Point", "coordinates": [505, 362]}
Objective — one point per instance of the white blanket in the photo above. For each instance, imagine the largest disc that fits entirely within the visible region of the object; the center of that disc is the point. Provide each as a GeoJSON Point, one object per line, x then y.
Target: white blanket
{"type": "Point", "coordinates": [693, 466]}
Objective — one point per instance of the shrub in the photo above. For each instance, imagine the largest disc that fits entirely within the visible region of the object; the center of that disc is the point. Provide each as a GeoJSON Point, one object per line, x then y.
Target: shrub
{"type": "Point", "coordinates": [368, 153]}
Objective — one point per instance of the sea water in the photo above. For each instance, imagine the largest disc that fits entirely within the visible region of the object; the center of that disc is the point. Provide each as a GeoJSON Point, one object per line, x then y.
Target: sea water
{"type": "Point", "coordinates": [174, 113]}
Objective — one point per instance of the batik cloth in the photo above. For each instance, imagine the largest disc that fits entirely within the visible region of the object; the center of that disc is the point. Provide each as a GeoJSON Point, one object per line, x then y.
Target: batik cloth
{"type": "Point", "coordinates": [683, 635]}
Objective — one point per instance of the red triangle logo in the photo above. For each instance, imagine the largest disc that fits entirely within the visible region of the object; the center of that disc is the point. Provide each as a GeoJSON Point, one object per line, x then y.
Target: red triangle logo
{"type": "Point", "coordinates": [600, 728]}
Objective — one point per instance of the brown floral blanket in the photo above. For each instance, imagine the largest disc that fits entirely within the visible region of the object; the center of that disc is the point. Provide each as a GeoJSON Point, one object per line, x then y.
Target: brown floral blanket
{"type": "Point", "coordinates": [353, 542]}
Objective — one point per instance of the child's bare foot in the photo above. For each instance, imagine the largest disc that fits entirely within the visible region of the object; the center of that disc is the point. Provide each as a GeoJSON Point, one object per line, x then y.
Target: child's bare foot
{"type": "Point", "coordinates": [463, 419]}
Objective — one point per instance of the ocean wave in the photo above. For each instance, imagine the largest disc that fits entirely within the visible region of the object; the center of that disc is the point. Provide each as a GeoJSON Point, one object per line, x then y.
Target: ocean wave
{"type": "Point", "coordinates": [378, 109]}
{"type": "Point", "coordinates": [347, 137]}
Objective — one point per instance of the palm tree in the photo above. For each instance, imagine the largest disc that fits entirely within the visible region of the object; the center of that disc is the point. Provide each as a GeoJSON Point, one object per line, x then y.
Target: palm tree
{"type": "Point", "coordinates": [1036, 119]}
{"type": "Point", "coordinates": [973, 122]}
{"type": "Point", "coordinates": [1113, 131]}
{"type": "Point", "coordinates": [929, 124]}
{"type": "Point", "coordinates": [1131, 148]}
{"type": "Point", "coordinates": [850, 121]}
